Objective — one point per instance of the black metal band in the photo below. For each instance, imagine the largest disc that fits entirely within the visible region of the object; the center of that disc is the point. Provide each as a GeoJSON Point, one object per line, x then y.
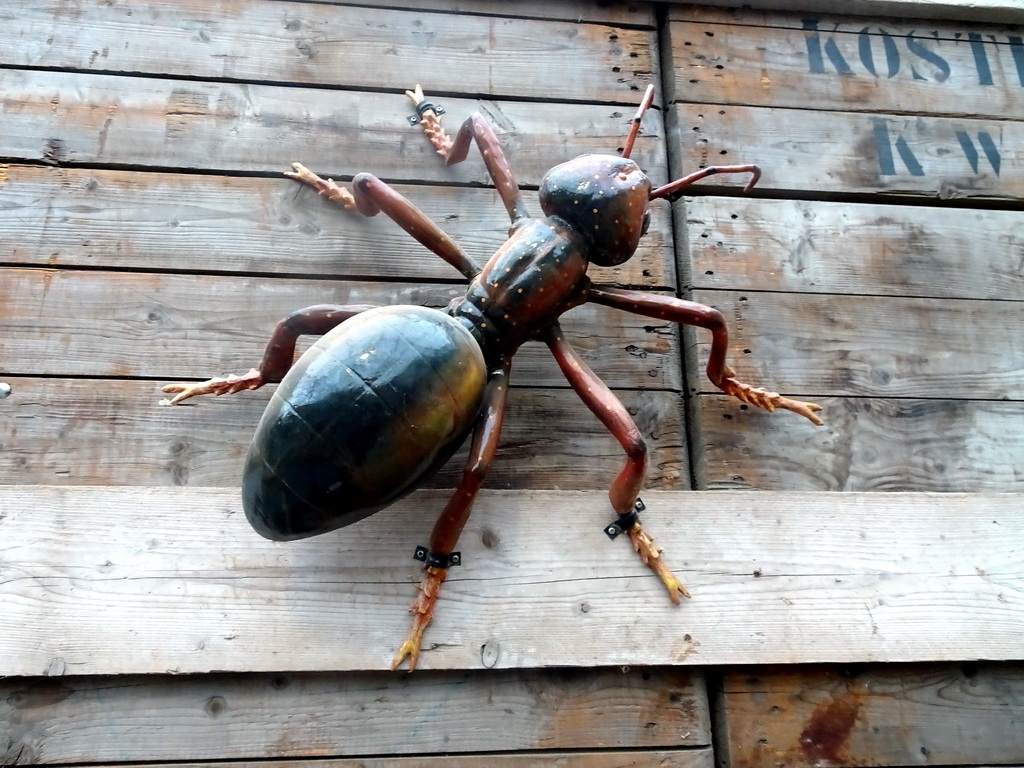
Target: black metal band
{"type": "Point", "coordinates": [624, 522]}
{"type": "Point", "coordinates": [425, 106]}
{"type": "Point", "coordinates": [436, 559]}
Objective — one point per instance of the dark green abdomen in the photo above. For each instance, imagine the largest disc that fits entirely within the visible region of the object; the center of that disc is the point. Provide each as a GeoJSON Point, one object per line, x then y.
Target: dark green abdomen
{"type": "Point", "coordinates": [369, 412]}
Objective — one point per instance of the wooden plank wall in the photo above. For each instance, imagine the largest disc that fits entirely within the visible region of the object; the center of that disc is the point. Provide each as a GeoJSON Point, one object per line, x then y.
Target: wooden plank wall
{"type": "Point", "coordinates": [878, 270]}
{"type": "Point", "coordinates": [146, 235]}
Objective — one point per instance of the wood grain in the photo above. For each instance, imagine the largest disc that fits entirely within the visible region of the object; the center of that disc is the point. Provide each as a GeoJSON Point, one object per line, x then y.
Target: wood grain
{"type": "Point", "coordinates": [654, 758]}
{"type": "Point", "coordinates": [237, 717]}
{"type": "Point", "coordinates": [884, 250]}
{"type": "Point", "coordinates": [112, 432]}
{"type": "Point", "coordinates": [814, 344]}
{"type": "Point", "coordinates": [336, 45]}
{"type": "Point", "coordinates": [632, 14]}
{"type": "Point", "coordinates": [867, 444]}
{"type": "Point", "coordinates": [63, 118]}
{"type": "Point", "coordinates": [170, 326]}
{"type": "Point", "coordinates": [143, 580]}
{"type": "Point", "coordinates": [875, 65]}
{"type": "Point", "coordinates": [877, 715]}
{"type": "Point", "coordinates": [69, 217]}
{"type": "Point", "coordinates": [830, 152]}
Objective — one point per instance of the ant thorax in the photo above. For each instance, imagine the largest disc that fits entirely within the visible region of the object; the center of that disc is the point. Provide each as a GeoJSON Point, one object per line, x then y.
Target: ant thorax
{"type": "Point", "coordinates": [534, 277]}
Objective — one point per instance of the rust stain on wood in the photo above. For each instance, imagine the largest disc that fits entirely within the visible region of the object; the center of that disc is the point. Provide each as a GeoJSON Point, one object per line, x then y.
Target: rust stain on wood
{"type": "Point", "coordinates": [828, 730]}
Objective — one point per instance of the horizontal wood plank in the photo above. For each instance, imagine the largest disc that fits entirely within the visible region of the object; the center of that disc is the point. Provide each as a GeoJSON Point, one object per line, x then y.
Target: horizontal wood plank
{"type": "Point", "coordinates": [876, 65]}
{"type": "Point", "coordinates": [68, 217]}
{"type": "Point", "coordinates": [867, 444]}
{"type": "Point", "coordinates": [819, 247]}
{"type": "Point", "coordinates": [237, 717]}
{"type": "Point", "coordinates": [802, 151]}
{"type": "Point", "coordinates": [336, 45]}
{"type": "Point", "coordinates": [892, 715]}
{"type": "Point", "coordinates": [994, 11]}
{"type": "Point", "coordinates": [143, 580]}
{"type": "Point", "coordinates": [98, 323]}
{"type": "Point", "coordinates": [62, 118]}
{"type": "Point", "coordinates": [632, 13]}
{"type": "Point", "coordinates": [817, 344]}
{"type": "Point", "coordinates": [112, 432]}
{"type": "Point", "coordinates": [700, 757]}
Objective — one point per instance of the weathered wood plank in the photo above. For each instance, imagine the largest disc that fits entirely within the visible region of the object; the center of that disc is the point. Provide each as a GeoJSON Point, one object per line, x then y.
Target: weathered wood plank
{"type": "Point", "coordinates": [656, 758]}
{"type": "Point", "coordinates": [180, 222]}
{"type": "Point", "coordinates": [112, 432]}
{"type": "Point", "coordinates": [994, 11]}
{"type": "Point", "coordinates": [867, 444]}
{"type": "Point", "coordinates": [98, 323]}
{"type": "Point", "coordinates": [224, 717]}
{"type": "Point", "coordinates": [891, 715]}
{"type": "Point", "coordinates": [817, 344]}
{"type": "Point", "coordinates": [634, 14]}
{"type": "Point", "coordinates": [874, 66]}
{"type": "Point", "coordinates": [142, 580]}
{"type": "Point", "coordinates": [820, 247]}
{"type": "Point", "coordinates": [336, 45]}
{"type": "Point", "coordinates": [63, 118]}
{"type": "Point", "coordinates": [801, 150]}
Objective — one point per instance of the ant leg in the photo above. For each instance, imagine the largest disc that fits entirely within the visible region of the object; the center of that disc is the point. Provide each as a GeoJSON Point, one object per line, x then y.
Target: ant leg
{"type": "Point", "coordinates": [691, 313]}
{"type": "Point", "coordinates": [371, 196]}
{"type": "Point", "coordinates": [474, 127]}
{"type": "Point", "coordinates": [456, 512]}
{"type": "Point", "coordinates": [278, 357]}
{"type": "Point", "coordinates": [626, 487]}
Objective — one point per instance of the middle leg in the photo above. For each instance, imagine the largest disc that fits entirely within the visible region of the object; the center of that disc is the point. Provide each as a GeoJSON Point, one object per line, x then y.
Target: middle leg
{"type": "Point", "coordinates": [626, 487]}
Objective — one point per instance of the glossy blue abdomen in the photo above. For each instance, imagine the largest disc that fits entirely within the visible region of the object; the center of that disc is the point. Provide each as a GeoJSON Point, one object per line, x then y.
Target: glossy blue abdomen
{"type": "Point", "coordinates": [363, 417]}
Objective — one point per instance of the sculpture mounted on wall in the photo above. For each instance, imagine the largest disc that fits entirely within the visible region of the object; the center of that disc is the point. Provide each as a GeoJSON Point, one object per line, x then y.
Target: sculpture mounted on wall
{"type": "Point", "coordinates": [388, 394]}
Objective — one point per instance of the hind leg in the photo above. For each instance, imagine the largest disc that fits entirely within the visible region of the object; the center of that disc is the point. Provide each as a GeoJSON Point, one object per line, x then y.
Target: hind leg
{"type": "Point", "coordinates": [440, 556]}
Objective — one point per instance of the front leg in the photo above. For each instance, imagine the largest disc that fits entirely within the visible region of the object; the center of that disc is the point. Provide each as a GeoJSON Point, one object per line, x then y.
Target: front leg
{"type": "Point", "coordinates": [475, 128]}
{"type": "Point", "coordinates": [691, 313]}
{"type": "Point", "coordinates": [278, 357]}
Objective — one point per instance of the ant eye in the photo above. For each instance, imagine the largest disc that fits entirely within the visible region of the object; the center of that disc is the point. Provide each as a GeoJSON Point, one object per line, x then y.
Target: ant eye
{"type": "Point", "coordinates": [647, 223]}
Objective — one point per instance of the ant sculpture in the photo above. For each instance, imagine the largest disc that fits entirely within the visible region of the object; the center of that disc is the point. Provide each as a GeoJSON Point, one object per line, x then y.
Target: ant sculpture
{"type": "Point", "coordinates": [388, 394]}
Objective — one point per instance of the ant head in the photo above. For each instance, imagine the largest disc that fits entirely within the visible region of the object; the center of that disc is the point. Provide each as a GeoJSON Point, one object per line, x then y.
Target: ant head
{"type": "Point", "coordinates": [604, 199]}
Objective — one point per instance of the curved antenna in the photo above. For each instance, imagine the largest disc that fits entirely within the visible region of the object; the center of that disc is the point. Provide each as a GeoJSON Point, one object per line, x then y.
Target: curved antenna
{"type": "Point", "coordinates": [634, 129]}
{"type": "Point", "coordinates": [673, 188]}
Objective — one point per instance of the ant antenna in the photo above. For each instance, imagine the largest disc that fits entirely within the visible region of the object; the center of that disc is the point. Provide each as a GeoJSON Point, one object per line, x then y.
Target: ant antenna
{"type": "Point", "coordinates": [671, 190]}
{"type": "Point", "coordinates": [634, 129]}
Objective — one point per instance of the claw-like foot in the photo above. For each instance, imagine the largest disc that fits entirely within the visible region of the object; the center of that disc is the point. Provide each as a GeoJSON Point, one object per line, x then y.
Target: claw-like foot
{"type": "Point", "coordinates": [762, 398]}
{"type": "Point", "coordinates": [650, 553]}
{"type": "Point", "coordinates": [422, 611]}
{"type": "Point", "coordinates": [325, 187]}
{"type": "Point", "coordinates": [431, 124]}
{"type": "Point", "coordinates": [222, 385]}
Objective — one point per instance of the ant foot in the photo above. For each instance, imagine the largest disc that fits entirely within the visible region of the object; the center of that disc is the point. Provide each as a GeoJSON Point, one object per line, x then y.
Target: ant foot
{"type": "Point", "coordinates": [650, 553]}
{"type": "Point", "coordinates": [762, 398]}
{"type": "Point", "coordinates": [222, 385]}
{"type": "Point", "coordinates": [422, 611]}
{"type": "Point", "coordinates": [325, 187]}
{"type": "Point", "coordinates": [431, 124]}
